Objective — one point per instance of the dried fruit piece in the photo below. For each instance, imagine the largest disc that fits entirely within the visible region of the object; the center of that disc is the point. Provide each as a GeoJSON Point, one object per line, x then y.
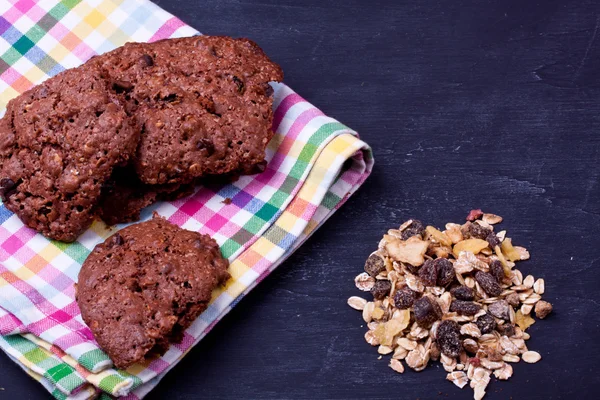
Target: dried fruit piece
{"type": "Point", "coordinates": [493, 240]}
{"type": "Point", "coordinates": [415, 228]}
{"type": "Point", "coordinates": [474, 214]}
{"type": "Point", "coordinates": [463, 293]}
{"type": "Point", "coordinates": [506, 329]}
{"type": "Point", "coordinates": [428, 273]}
{"type": "Point", "coordinates": [465, 307]}
{"type": "Point", "coordinates": [470, 345]}
{"type": "Point", "coordinates": [531, 357]}
{"type": "Point", "coordinates": [448, 338]}
{"type": "Point", "coordinates": [358, 303]}
{"type": "Point", "coordinates": [524, 321]}
{"type": "Point", "coordinates": [500, 309]}
{"type": "Point", "coordinates": [486, 323]}
{"type": "Point", "coordinates": [426, 311]}
{"type": "Point", "coordinates": [488, 283]}
{"type": "Point", "coordinates": [438, 236]}
{"type": "Point", "coordinates": [542, 309]}
{"type": "Point", "coordinates": [445, 271]}
{"type": "Point", "coordinates": [509, 251]}
{"type": "Point", "coordinates": [410, 251]}
{"type": "Point", "coordinates": [497, 270]}
{"type": "Point", "coordinates": [478, 232]}
{"type": "Point", "coordinates": [472, 245]}
{"type": "Point", "coordinates": [378, 313]}
{"type": "Point", "coordinates": [405, 298]}
{"type": "Point", "coordinates": [374, 265]}
{"type": "Point", "coordinates": [381, 289]}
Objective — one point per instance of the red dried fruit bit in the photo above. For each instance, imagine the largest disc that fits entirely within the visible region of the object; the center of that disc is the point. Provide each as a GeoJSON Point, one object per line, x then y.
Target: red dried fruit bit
{"type": "Point", "coordinates": [415, 229]}
{"type": "Point", "coordinates": [474, 214]}
{"type": "Point", "coordinates": [426, 311]}
{"type": "Point", "coordinates": [428, 273]}
{"type": "Point", "coordinates": [475, 361]}
{"type": "Point", "coordinates": [506, 329]}
{"type": "Point", "coordinates": [500, 309]}
{"type": "Point", "coordinates": [445, 271]}
{"type": "Point", "coordinates": [381, 289]}
{"type": "Point", "coordinates": [465, 307]}
{"type": "Point", "coordinates": [374, 265]}
{"type": "Point", "coordinates": [488, 283]}
{"type": "Point", "coordinates": [463, 293]}
{"type": "Point", "coordinates": [448, 338]}
{"type": "Point", "coordinates": [405, 298]}
{"type": "Point", "coordinates": [486, 323]}
{"type": "Point", "coordinates": [497, 270]}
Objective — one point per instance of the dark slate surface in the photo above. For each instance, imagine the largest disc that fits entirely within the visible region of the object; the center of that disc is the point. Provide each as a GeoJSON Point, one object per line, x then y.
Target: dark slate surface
{"type": "Point", "coordinates": [491, 104]}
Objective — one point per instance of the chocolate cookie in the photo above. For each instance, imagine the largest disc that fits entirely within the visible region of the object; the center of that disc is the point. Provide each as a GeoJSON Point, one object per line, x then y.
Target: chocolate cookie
{"type": "Point", "coordinates": [59, 143]}
{"type": "Point", "coordinates": [124, 196]}
{"type": "Point", "coordinates": [140, 289]}
{"type": "Point", "coordinates": [203, 104]}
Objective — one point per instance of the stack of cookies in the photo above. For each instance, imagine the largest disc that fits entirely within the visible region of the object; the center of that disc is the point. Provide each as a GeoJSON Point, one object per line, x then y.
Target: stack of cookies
{"type": "Point", "coordinates": [139, 124]}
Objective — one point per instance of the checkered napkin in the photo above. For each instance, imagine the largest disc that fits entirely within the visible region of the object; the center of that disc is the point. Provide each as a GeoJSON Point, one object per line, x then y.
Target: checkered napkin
{"type": "Point", "coordinates": [315, 163]}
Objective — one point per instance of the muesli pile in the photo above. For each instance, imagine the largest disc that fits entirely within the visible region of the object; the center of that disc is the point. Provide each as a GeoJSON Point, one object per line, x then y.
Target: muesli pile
{"type": "Point", "coordinates": [452, 295]}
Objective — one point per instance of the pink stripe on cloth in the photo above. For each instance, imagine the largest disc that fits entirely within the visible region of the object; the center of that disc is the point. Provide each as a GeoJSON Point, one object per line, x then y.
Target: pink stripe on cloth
{"type": "Point", "coordinates": [283, 108]}
{"type": "Point", "coordinates": [10, 325]}
{"type": "Point", "coordinates": [167, 29]}
{"type": "Point", "coordinates": [290, 137]}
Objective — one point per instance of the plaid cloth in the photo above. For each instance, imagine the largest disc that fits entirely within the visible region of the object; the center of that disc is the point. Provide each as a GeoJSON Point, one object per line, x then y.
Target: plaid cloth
{"type": "Point", "coordinates": [315, 163]}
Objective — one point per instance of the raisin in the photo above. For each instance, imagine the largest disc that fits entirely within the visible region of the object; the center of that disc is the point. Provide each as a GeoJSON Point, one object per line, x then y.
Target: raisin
{"type": "Point", "coordinates": [445, 271]}
{"type": "Point", "coordinates": [506, 329]}
{"type": "Point", "coordinates": [486, 323]}
{"type": "Point", "coordinates": [464, 307]}
{"type": "Point", "coordinates": [493, 240]}
{"type": "Point", "coordinates": [381, 289]}
{"type": "Point", "coordinates": [117, 240]}
{"type": "Point", "coordinates": [448, 338]}
{"type": "Point", "coordinates": [415, 229]}
{"type": "Point", "coordinates": [478, 232]}
{"type": "Point", "coordinates": [405, 298]}
{"type": "Point", "coordinates": [7, 187]}
{"type": "Point", "coordinates": [497, 270]}
{"type": "Point", "coordinates": [412, 268]}
{"type": "Point", "coordinates": [374, 265]}
{"type": "Point", "coordinates": [206, 144]}
{"type": "Point", "coordinates": [488, 283]}
{"type": "Point", "coordinates": [428, 273]}
{"type": "Point", "coordinates": [474, 214]}
{"type": "Point", "coordinates": [426, 311]}
{"type": "Point", "coordinates": [463, 293]}
{"type": "Point", "coordinates": [239, 83]}
{"type": "Point", "coordinates": [500, 309]}
{"type": "Point", "coordinates": [122, 86]}
{"type": "Point", "coordinates": [147, 60]}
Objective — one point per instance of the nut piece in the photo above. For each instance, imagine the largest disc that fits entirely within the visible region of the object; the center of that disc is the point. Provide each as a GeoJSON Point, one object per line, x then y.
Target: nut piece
{"type": "Point", "coordinates": [531, 357]}
{"type": "Point", "coordinates": [396, 366]}
{"type": "Point", "coordinates": [364, 282]}
{"type": "Point", "coordinates": [542, 309]}
{"type": "Point", "coordinates": [358, 303]}
{"type": "Point", "coordinates": [500, 310]}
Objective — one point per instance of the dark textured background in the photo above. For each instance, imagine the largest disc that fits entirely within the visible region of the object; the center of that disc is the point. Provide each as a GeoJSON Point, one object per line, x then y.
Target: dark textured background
{"type": "Point", "coordinates": [491, 104]}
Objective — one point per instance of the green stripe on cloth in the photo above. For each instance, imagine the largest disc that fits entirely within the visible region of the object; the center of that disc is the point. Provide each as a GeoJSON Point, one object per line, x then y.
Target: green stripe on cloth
{"type": "Point", "coordinates": [91, 358]}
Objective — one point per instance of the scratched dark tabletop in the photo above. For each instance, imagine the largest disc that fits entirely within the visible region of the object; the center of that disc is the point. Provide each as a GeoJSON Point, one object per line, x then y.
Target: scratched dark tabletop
{"type": "Point", "coordinates": [467, 104]}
